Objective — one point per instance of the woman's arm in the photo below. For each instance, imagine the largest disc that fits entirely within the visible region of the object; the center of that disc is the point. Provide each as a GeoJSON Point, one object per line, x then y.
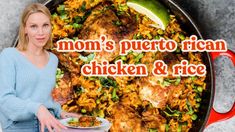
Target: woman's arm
{"type": "Point", "coordinates": [63, 114]}
{"type": "Point", "coordinates": [57, 109]}
{"type": "Point", "coordinates": [12, 107]}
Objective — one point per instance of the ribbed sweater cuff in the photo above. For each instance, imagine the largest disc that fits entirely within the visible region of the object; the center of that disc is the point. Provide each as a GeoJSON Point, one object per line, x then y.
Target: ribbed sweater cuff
{"type": "Point", "coordinates": [33, 107]}
{"type": "Point", "coordinates": [58, 114]}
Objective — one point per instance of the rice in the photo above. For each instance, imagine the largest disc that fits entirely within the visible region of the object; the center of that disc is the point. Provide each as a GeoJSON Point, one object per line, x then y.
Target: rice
{"type": "Point", "coordinates": [179, 98]}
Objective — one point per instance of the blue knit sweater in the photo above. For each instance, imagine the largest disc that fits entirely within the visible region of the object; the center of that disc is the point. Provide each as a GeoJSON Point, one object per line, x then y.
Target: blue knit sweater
{"type": "Point", "coordinates": [24, 87]}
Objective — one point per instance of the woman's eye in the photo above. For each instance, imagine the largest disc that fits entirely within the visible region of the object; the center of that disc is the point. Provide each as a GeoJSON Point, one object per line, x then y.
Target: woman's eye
{"type": "Point", "coordinates": [33, 26]}
{"type": "Point", "coordinates": [46, 25]}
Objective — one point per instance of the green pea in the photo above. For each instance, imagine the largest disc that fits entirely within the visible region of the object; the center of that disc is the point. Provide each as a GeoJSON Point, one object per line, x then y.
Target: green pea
{"type": "Point", "coordinates": [198, 99]}
{"type": "Point", "coordinates": [75, 25]}
{"type": "Point", "coordinates": [194, 117]}
{"type": "Point", "coordinates": [182, 37]}
{"type": "Point", "coordinates": [98, 101]}
{"type": "Point", "coordinates": [159, 31]}
{"type": "Point", "coordinates": [193, 78]}
{"type": "Point", "coordinates": [123, 58]}
{"type": "Point", "coordinates": [83, 110]}
{"type": "Point", "coordinates": [157, 37]}
{"type": "Point", "coordinates": [200, 89]}
{"type": "Point", "coordinates": [149, 36]}
{"type": "Point", "coordinates": [197, 105]}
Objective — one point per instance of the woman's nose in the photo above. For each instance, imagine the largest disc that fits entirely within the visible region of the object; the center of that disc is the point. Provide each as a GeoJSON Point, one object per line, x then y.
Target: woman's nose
{"type": "Point", "coordinates": [40, 31]}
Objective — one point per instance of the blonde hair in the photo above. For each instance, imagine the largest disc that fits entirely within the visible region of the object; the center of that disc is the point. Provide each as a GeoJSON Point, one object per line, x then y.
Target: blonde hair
{"type": "Point", "coordinates": [30, 9]}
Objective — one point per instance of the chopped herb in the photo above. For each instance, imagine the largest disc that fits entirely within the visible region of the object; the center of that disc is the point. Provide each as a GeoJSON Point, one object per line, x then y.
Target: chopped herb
{"type": "Point", "coordinates": [83, 7]}
{"type": "Point", "coordinates": [138, 36]}
{"type": "Point", "coordinates": [135, 36]}
{"type": "Point", "coordinates": [107, 82]}
{"type": "Point", "coordinates": [121, 9]}
{"type": "Point", "coordinates": [75, 38]}
{"type": "Point", "coordinates": [92, 123]}
{"type": "Point", "coordinates": [166, 127]}
{"type": "Point", "coordinates": [61, 9]}
{"type": "Point", "coordinates": [107, 8]}
{"type": "Point", "coordinates": [179, 129]}
{"type": "Point", "coordinates": [149, 36]}
{"type": "Point", "coordinates": [77, 26]}
{"type": "Point", "coordinates": [190, 109]}
{"type": "Point", "coordinates": [114, 95]}
{"type": "Point", "coordinates": [77, 19]}
{"type": "Point", "coordinates": [160, 31]}
{"type": "Point", "coordinates": [138, 57]}
{"type": "Point", "coordinates": [63, 16]}
{"type": "Point", "coordinates": [101, 113]}
{"type": "Point", "coordinates": [177, 82]}
{"type": "Point", "coordinates": [99, 89]}
{"type": "Point", "coordinates": [166, 83]}
{"type": "Point", "coordinates": [184, 123]}
{"type": "Point", "coordinates": [157, 37]}
{"type": "Point", "coordinates": [59, 73]}
{"type": "Point", "coordinates": [54, 15]}
{"type": "Point", "coordinates": [172, 112]}
{"type": "Point", "coordinates": [88, 58]}
{"type": "Point", "coordinates": [117, 23]}
{"type": "Point", "coordinates": [193, 78]}
{"type": "Point", "coordinates": [79, 90]}
{"type": "Point", "coordinates": [86, 15]}
{"type": "Point", "coordinates": [152, 130]}
{"type": "Point", "coordinates": [137, 17]}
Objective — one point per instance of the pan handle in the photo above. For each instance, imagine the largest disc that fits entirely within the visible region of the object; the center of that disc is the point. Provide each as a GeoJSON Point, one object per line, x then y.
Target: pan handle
{"type": "Point", "coordinates": [214, 115]}
{"type": "Point", "coordinates": [228, 53]}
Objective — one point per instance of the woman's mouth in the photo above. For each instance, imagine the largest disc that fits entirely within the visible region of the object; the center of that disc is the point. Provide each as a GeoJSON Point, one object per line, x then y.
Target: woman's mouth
{"type": "Point", "coordinates": [40, 39]}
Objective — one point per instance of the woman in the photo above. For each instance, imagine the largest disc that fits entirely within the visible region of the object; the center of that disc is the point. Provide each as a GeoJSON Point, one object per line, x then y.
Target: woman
{"type": "Point", "coordinates": [27, 75]}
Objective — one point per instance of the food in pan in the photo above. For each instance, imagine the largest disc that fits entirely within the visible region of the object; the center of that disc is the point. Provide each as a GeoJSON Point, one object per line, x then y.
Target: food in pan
{"type": "Point", "coordinates": [152, 103]}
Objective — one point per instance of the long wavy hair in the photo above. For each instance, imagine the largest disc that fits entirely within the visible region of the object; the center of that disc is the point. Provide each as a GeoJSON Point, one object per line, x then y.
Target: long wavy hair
{"type": "Point", "coordinates": [23, 38]}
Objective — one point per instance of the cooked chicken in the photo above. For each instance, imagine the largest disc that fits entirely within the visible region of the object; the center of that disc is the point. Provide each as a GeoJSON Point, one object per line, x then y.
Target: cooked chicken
{"type": "Point", "coordinates": [152, 119]}
{"type": "Point", "coordinates": [64, 91]}
{"type": "Point", "coordinates": [156, 95]}
{"type": "Point", "coordinates": [69, 60]}
{"type": "Point", "coordinates": [169, 59]}
{"type": "Point", "coordinates": [125, 119]}
{"type": "Point", "coordinates": [104, 21]}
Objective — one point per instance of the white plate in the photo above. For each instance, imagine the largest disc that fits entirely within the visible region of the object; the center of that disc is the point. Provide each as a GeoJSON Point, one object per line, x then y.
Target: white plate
{"type": "Point", "coordinates": [104, 123]}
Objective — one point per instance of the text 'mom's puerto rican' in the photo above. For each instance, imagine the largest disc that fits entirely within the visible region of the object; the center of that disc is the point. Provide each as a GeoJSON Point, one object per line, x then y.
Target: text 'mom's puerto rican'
{"type": "Point", "coordinates": [124, 46]}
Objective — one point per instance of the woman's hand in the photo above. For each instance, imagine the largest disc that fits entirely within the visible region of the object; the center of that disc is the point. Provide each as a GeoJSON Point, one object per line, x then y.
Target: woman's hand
{"type": "Point", "coordinates": [67, 115]}
{"type": "Point", "coordinates": [48, 120]}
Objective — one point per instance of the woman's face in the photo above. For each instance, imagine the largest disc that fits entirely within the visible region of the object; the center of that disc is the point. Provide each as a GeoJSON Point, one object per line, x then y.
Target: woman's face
{"type": "Point", "coordinates": [38, 29]}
